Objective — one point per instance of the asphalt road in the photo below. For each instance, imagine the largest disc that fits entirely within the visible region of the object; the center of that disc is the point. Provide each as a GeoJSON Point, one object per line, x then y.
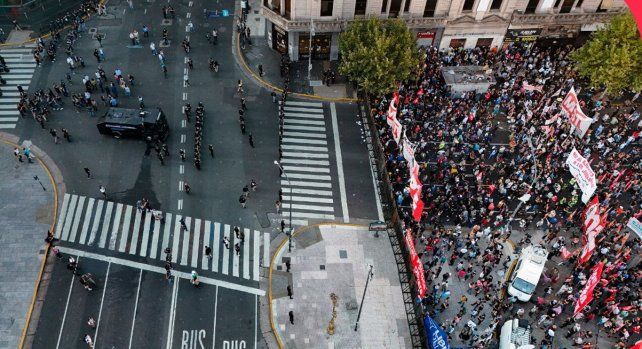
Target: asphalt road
{"type": "Point", "coordinates": [134, 305]}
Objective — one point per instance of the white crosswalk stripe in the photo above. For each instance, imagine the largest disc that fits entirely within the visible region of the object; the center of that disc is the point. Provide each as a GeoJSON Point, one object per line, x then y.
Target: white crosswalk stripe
{"type": "Point", "coordinates": [21, 66]}
{"type": "Point", "coordinates": [307, 188]}
{"type": "Point", "coordinates": [126, 230]}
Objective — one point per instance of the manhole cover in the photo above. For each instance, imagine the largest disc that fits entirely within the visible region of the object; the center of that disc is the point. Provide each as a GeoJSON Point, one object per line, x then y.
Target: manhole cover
{"type": "Point", "coordinates": [166, 21]}
{"type": "Point", "coordinates": [343, 254]}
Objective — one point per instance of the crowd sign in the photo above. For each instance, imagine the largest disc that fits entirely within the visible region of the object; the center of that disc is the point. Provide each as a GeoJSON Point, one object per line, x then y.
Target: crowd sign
{"type": "Point", "coordinates": [583, 173]}
{"type": "Point", "coordinates": [587, 293]}
{"type": "Point", "coordinates": [577, 118]}
{"type": "Point", "coordinates": [593, 225]}
{"type": "Point", "coordinates": [635, 226]}
{"type": "Point", "coordinates": [437, 338]}
{"type": "Point", "coordinates": [417, 267]}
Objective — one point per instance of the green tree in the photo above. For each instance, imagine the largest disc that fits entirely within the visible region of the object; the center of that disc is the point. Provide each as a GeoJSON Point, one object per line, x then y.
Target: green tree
{"type": "Point", "coordinates": [377, 53]}
{"type": "Point", "coordinates": [612, 58]}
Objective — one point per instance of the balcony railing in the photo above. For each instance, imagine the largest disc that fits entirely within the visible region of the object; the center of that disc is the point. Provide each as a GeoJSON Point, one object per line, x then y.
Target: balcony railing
{"type": "Point", "coordinates": [336, 25]}
{"type": "Point", "coordinates": [561, 18]}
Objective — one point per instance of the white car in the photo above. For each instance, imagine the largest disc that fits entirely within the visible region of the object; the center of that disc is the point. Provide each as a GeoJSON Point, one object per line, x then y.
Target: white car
{"type": "Point", "coordinates": [527, 272]}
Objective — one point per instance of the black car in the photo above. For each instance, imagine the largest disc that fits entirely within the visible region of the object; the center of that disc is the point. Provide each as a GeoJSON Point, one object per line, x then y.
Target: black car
{"type": "Point", "coordinates": [148, 124]}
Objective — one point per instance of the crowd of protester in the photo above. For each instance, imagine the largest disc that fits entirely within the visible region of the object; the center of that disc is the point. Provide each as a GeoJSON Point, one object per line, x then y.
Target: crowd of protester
{"type": "Point", "coordinates": [481, 153]}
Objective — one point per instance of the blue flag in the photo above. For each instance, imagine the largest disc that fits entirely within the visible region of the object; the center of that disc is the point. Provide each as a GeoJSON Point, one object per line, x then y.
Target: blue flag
{"type": "Point", "coordinates": [437, 338]}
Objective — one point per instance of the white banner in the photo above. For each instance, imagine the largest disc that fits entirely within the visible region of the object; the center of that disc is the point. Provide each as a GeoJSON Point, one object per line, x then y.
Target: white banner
{"type": "Point", "coordinates": [570, 101]}
{"type": "Point", "coordinates": [583, 173]}
{"type": "Point", "coordinates": [577, 118]}
{"type": "Point", "coordinates": [408, 151]}
{"type": "Point", "coordinates": [635, 226]}
{"type": "Point", "coordinates": [396, 130]}
{"type": "Point", "coordinates": [392, 110]}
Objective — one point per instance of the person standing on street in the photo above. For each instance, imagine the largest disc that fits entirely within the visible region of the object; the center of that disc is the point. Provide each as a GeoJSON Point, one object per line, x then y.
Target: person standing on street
{"type": "Point", "coordinates": [195, 280]}
{"type": "Point", "coordinates": [251, 141]}
{"type": "Point", "coordinates": [54, 134]}
{"type": "Point", "coordinates": [291, 316]}
{"type": "Point", "coordinates": [208, 252]}
{"type": "Point", "coordinates": [103, 191]}
{"type": "Point", "coordinates": [88, 340]}
{"type": "Point", "coordinates": [211, 149]}
{"type": "Point", "coordinates": [88, 172]}
{"type": "Point", "coordinates": [183, 225]}
{"type": "Point", "coordinates": [242, 200]}
{"type": "Point", "coordinates": [289, 289]}
{"type": "Point", "coordinates": [66, 135]}
{"type": "Point", "coordinates": [187, 187]}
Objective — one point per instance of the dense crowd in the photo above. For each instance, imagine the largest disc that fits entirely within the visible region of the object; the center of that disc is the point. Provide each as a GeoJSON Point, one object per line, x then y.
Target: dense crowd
{"type": "Point", "coordinates": [481, 153]}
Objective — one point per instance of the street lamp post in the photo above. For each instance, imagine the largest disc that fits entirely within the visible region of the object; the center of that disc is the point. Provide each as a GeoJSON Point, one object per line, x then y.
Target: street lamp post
{"type": "Point", "coordinates": [290, 223]}
{"type": "Point", "coordinates": [370, 274]}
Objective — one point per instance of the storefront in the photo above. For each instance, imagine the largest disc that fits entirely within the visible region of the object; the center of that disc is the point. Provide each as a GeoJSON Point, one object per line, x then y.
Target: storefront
{"type": "Point", "coordinates": [426, 37]}
{"type": "Point", "coordinates": [527, 35]}
{"type": "Point", "coordinates": [279, 39]}
{"type": "Point", "coordinates": [321, 46]}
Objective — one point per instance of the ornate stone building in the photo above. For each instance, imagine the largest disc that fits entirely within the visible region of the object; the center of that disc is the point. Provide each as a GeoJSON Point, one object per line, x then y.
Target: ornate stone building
{"type": "Point", "coordinates": [445, 23]}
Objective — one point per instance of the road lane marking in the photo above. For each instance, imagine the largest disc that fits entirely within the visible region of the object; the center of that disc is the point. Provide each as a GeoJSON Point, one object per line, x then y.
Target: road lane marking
{"type": "Point", "coordinates": [256, 320]}
{"type": "Point", "coordinates": [257, 250]}
{"type": "Point", "coordinates": [106, 222]}
{"type": "Point", "coordinates": [295, 168]}
{"type": "Point", "coordinates": [74, 227]}
{"type": "Point", "coordinates": [312, 215]}
{"type": "Point", "coordinates": [186, 235]}
{"type": "Point", "coordinates": [303, 110]}
{"type": "Point", "coordinates": [166, 234]}
{"type": "Point", "coordinates": [180, 204]}
{"type": "Point", "coordinates": [306, 162]}
{"type": "Point", "coordinates": [308, 191]}
{"type": "Point", "coordinates": [172, 312]}
{"type": "Point", "coordinates": [195, 243]}
{"type": "Point", "coordinates": [225, 263]}
{"type": "Point", "coordinates": [287, 154]}
{"type": "Point", "coordinates": [303, 134]}
{"type": "Point", "coordinates": [69, 218]}
{"type": "Point", "coordinates": [183, 137]}
{"type": "Point", "coordinates": [184, 96]}
{"type": "Point", "coordinates": [286, 207]}
{"type": "Point", "coordinates": [115, 227]}
{"type": "Point", "coordinates": [161, 270]}
{"type": "Point", "coordinates": [94, 227]}
{"type": "Point", "coordinates": [181, 169]}
{"type": "Point", "coordinates": [215, 311]}
{"type": "Point", "coordinates": [305, 184]}
{"type": "Point", "coordinates": [305, 104]}
{"type": "Point", "coordinates": [145, 240]}
{"type": "Point", "coordinates": [207, 230]}
{"type": "Point", "coordinates": [309, 176]}
{"type": "Point", "coordinates": [125, 230]}
{"type": "Point", "coordinates": [131, 334]}
{"type": "Point", "coordinates": [155, 236]}
{"type": "Point", "coordinates": [87, 220]}
{"type": "Point", "coordinates": [303, 148]}
{"type": "Point", "coordinates": [308, 199]}
{"type": "Point", "coordinates": [216, 246]}
{"type": "Point", "coordinates": [339, 158]}
{"type": "Point", "coordinates": [102, 299]}
{"type": "Point", "coordinates": [64, 315]}
{"type": "Point", "coordinates": [266, 250]}
{"type": "Point", "coordinates": [176, 237]}
{"type": "Point", "coordinates": [235, 258]}
{"type": "Point", "coordinates": [304, 141]}
{"type": "Point", "coordinates": [305, 122]}
{"type": "Point", "coordinates": [304, 128]}
{"type": "Point", "coordinates": [246, 254]}
{"type": "Point", "coordinates": [180, 186]}
{"type": "Point", "coordinates": [183, 123]}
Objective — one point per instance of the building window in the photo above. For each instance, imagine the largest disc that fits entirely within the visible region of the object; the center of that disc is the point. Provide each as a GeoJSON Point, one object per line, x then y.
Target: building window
{"type": "Point", "coordinates": [406, 6]}
{"type": "Point", "coordinates": [532, 6]}
{"type": "Point", "coordinates": [326, 7]}
{"type": "Point", "coordinates": [484, 42]}
{"type": "Point", "coordinates": [360, 7]}
{"type": "Point", "coordinates": [557, 3]}
{"type": "Point", "coordinates": [429, 10]}
{"type": "Point", "coordinates": [496, 4]}
{"type": "Point", "coordinates": [288, 8]}
{"type": "Point", "coordinates": [605, 5]}
{"type": "Point", "coordinates": [468, 5]}
{"type": "Point", "coordinates": [567, 5]}
{"type": "Point", "coordinates": [384, 6]}
{"type": "Point", "coordinates": [395, 7]}
{"type": "Point", "coordinates": [457, 43]}
{"type": "Point", "coordinates": [579, 3]}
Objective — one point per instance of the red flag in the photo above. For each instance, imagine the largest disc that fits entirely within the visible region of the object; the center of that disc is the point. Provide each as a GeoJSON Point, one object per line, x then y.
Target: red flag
{"type": "Point", "coordinates": [637, 345]}
{"type": "Point", "coordinates": [417, 209]}
{"type": "Point", "coordinates": [587, 293]}
{"type": "Point", "coordinates": [636, 9]}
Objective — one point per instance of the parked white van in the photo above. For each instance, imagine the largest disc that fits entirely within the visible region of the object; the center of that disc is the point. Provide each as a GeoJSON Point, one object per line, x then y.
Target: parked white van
{"type": "Point", "coordinates": [527, 272]}
{"type": "Point", "coordinates": [515, 334]}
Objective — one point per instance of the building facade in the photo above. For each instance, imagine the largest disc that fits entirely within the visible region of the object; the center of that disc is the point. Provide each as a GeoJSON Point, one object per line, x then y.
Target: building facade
{"type": "Point", "coordinates": [302, 28]}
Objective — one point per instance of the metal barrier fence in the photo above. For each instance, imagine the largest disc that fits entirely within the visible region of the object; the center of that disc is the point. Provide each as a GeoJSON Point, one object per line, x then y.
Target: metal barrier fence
{"type": "Point", "coordinates": [414, 311]}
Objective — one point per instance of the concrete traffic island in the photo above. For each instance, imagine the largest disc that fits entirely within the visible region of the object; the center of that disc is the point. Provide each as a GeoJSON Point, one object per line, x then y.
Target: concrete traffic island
{"type": "Point", "coordinates": [333, 261]}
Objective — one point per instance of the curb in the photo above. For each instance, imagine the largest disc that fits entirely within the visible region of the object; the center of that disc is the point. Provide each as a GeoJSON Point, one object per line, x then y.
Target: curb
{"type": "Point", "coordinates": [269, 86]}
{"type": "Point", "coordinates": [277, 252]}
{"type": "Point", "coordinates": [56, 180]}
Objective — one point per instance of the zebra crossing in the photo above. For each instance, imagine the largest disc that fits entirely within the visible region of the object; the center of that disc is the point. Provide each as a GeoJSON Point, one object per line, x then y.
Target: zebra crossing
{"type": "Point", "coordinates": [21, 66]}
{"type": "Point", "coordinates": [124, 229]}
{"type": "Point", "coordinates": [306, 182]}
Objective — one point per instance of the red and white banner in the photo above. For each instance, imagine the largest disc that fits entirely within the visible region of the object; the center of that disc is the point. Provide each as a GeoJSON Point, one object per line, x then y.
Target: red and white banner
{"type": "Point", "coordinates": [417, 267]}
{"type": "Point", "coordinates": [638, 344]}
{"type": "Point", "coordinates": [417, 209]}
{"type": "Point", "coordinates": [529, 87]}
{"type": "Point", "coordinates": [583, 173]}
{"type": "Point", "coordinates": [396, 130]}
{"type": "Point", "coordinates": [593, 224]}
{"type": "Point", "coordinates": [577, 118]}
{"type": "Point", "coordinates": [415, 192]}
{"type": "Point", "coordinates": [392, 109]}
{"type": "Point", "coordinates": [580, 122]}
{"type": "Point", "coordinates": [408, 151]}
{"type": "Point", "coordinates": [587, 293]}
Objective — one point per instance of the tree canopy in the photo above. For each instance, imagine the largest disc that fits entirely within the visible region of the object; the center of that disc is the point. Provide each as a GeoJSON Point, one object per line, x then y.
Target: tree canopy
{"type": "Point", "coordinates": [612, 58]}
{"type": "Point", "coordinates": [377, 53]}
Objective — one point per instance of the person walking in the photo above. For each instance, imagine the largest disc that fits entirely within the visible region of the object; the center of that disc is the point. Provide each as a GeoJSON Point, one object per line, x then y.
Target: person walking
{"type": "Point", "coordinates": [242, 200]}
{"type": "Point", "coordinates": [54, 134]}
{"type": "Point", "coordinates": [66, 135]}
{"type": "Point", "coordinates": [16, 153]}
{"type": "Point", "coordinates": [251, 141]}
{"type": "Point", "coordinates": [260, 70]}
{"type": "Point", "coordinates": [226, 242]}
{"type": "Point", "coordinates": [187, 187]}
{"type": "Point", "coordinates": [195, 281]}
{"type": "Point", "coordinates": [91, 322]}
{"type": "Point", "coordinates": [291, 316]}
{"type": "Point", "coordinates": [183, 225]}
{"type": "Point", "coordinates": [208, 252]}
{"type": "Point", "coordinates": [211, 149]}
{"type": "Point", "coordinates": [88, 172]}
{"type": "Point", "coordinates": [88, 340]}
{"type": "Point", "coordinates": [181, 153]}
{"type": "Point", "coordinates": [103, 191]}
{"type": "Point", "coordinates": [289, 289]}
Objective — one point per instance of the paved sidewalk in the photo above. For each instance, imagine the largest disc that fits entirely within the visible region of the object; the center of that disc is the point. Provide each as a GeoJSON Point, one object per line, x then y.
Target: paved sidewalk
{"type": "Point", "coordinates": [334, 259]}
{"type": "Point", "coordinates": [26, 212]}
